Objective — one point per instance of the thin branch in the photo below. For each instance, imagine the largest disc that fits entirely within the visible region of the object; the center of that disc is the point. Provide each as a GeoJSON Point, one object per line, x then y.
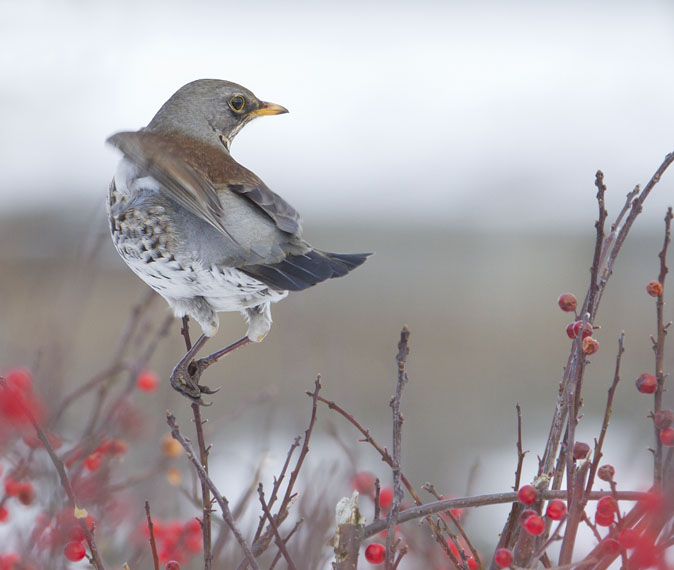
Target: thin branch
{"type": "Point", "coordinates": [385, 455]}
{"type": "Point", "coordinates": [392, 519]}
{"type": "Point", "coordinates": [607, 416]}
{"type": "Point", "coordinates": [599, 225]}
{"type": "Point", "coordinates": [277, 485]}
{"type": "Point", "coordinates": [153, 544]}
{"type": "Point", "coordinates": [222, 502]}
{"type": "Point", "coordinates": [206, 527]}
{"type": "Point", "coordinates": [279, 555]}
{"type": "Point", "coordinates": [428, 509]}
{"type": "Point", "coordinates": [279, 541]}
{"type": "Point", "coordinates": [80, 514]}
{"type": "Point", "coordinates": [659, 349]}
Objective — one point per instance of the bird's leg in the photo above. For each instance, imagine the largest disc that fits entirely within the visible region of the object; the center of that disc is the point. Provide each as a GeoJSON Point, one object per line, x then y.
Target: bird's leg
{"type": "Point", "coordinates": [184, 377]}
{"type": "Point", "coordinates": [203, 363]}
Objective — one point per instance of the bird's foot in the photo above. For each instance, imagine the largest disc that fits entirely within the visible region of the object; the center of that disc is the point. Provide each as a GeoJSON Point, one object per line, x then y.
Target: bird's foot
{"type": "Point", "coordinates": [185, 379]}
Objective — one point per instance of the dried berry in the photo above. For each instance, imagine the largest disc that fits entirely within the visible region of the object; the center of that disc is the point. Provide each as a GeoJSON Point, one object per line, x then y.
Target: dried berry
{"type": "Point", "coordinates": [654, 289]}
{"type": "Point", "coordinates": [590, 345]}
{"type": "Point", "coordinates": [580, 450]}
{"type": "Point", "coordinates": [567, 302]}
{"type": "Point", "coordinates": [606, 472]}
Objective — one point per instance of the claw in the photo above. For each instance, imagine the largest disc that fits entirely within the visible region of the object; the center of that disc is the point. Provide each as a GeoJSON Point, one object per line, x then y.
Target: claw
{"type": "Point", "coordinates": [208, 389]}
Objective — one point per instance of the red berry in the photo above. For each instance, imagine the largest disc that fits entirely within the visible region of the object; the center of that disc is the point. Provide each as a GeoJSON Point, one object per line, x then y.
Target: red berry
{"type": "Point", "coordinates": [603, 519]}
{"type": "Point", "coordinates": [193, 543]}
{"type": "Point", "coordinates": [607, 505]}
{"type": "Point", "coordinates": [527, 495]}
{"type": "Point", "coordinates": [375, 553]}
{"type": "Point", "coordinates": [606, 472]}
{"type": "Point", "coordinates": [570, 330]}
{"type": "Point", "coordinates": [76, 534]}
{"type": "Point", "coordinates": [628, 538]}
{"type": "Point", "coordinates": [26, 494]}
{"type": "Point", "coordinates": [4, 514]}
{"type": "Point", "coordinates": [590, 345]}
{"type": "Point", "coordinates": [609, 546]}
{"type": "Point", "coordinates": [363, 482]}
{"type": "Point", "coordinates": [172, 565]}
{"type": "Point", "coordinates": [534, 525]}
{"type": "Point", "coordinates": [11, 487]}
{"type": "Point", "coordinates": [580, 450]}
{"type": "Point", "coordinates": [74, 551]}
{"type": "Point", "coordinates": [667, 436]}
{"type": "Point", "coordinates": [472, 565]}
{"type": "Point", "coordinates": [147, 381]}
{"type": "Point", "coordinates": [525, 514]}
{"type": "Point", "coordinates": [647, 383]}
{"type": "Point", "coordinates": [575, 329]}
{"type": "Point", "coordinates": [20, 378]}
{"type": "Point", "coordinates": [654, 289]}
{"type": "Point", "coordinates": [93, 461]}
{"type": "Point", "coordinates": [556, 509]}
{"type": "Point", "coordinates": [192, 526]}
{"type": "Point", "coordinates": [503, 558]}
{"type": "Point", "coordinates": [386, 498]}
{"type": "Point", "coordinates": [567, 302]}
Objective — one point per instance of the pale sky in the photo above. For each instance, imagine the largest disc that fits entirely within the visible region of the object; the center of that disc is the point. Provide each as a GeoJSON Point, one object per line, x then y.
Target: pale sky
{"type": "Point", "coordinates": [454, 113]}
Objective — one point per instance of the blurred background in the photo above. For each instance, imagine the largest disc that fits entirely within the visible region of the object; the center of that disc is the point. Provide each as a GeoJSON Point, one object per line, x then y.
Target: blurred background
{"type": "Point", "coordinates": [458, 141]}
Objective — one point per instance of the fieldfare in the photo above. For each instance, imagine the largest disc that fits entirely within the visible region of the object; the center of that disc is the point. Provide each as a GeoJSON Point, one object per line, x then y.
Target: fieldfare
{"type": "Point", "coordinates": [203, 231]}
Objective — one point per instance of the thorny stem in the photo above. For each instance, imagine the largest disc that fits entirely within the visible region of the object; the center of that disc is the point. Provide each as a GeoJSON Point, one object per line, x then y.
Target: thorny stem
{"type": "Point", "coordinates": [392, 519]}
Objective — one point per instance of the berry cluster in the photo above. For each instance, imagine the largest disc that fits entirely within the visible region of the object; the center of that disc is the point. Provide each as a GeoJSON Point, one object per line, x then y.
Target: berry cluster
{"type": "Point", "coordinates": [177, 541]}
{"type": "Point", "coordinates": [568, 303]}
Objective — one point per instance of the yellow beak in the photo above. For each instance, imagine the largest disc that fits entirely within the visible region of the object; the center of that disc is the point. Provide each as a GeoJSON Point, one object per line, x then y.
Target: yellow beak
{"type": "Point", "coordinates": [269, 109]}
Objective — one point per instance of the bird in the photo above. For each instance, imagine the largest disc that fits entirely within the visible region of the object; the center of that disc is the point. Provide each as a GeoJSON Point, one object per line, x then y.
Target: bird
{"type": "Point", "coordinates": [202, 230]}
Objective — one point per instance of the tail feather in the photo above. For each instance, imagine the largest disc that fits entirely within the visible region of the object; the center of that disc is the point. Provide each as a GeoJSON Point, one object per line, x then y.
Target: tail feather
{"type": "Point", "coordinates": [298, 272]}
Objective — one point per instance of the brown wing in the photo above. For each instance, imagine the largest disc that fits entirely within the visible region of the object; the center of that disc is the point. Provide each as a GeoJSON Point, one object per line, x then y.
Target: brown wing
{"type": "Point", "coordinates": [191, 173]}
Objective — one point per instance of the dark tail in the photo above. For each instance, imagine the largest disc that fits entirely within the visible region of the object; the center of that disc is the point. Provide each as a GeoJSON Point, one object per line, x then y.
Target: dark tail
{"type": "Point", "coordinates": [298, 272]}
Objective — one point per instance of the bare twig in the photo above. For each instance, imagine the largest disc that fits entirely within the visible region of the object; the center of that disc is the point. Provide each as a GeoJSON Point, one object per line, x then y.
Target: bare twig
{"type": "Point", "coordinates": [279, 555]}
{"type": "Point", "coordinates": [659, 349]}
{"type": "Point", "coordinates": [607, 416]}
{"type": "Point", "coordinates": [280, 543]}
{"type": "Point", "coordinates": [206, 528]}
{"type": "Point", "coordinates": [392, 519]}
{"type": "Point", "coordinates": [153, 544]}
{"type": "Point", "coordinates": [222, 502]}
{"type": "Point", "coordinates": [428, 509]}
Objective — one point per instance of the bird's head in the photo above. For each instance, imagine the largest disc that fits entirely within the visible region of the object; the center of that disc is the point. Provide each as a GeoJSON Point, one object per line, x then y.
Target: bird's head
{"type": "Point", "coordinates": [210, 110]}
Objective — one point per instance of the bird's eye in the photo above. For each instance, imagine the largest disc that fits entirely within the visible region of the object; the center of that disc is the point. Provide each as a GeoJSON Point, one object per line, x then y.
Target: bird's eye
{"type": "Point", "coordinates": [237, 102]}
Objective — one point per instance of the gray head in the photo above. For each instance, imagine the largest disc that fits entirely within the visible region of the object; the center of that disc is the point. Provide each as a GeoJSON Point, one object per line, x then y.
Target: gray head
{"type": "Point", "coordinates": [210, 110]}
